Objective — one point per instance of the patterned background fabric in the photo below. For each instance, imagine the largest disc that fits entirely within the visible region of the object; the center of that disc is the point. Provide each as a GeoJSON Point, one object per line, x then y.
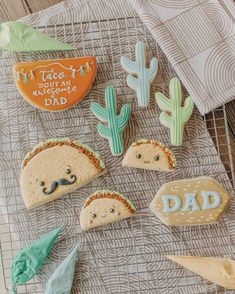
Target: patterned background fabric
{"type": "Point", "coordinates": [198, 37]}
{"type": "Point", "coordinates": [128, 256]}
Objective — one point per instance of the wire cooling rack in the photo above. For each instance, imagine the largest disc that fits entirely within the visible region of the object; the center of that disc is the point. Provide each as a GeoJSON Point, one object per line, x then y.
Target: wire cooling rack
{"type": "Point", "coordinates": [127, 256]}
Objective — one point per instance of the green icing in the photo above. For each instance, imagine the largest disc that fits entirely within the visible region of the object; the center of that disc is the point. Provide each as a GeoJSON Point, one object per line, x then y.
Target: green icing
{"type": "Point", "coordinates": [61, 280]}
{"type": "Point", "coordinates": [29, 260]}
{"type": "Point", "coordinates": [116, 123]}
{"type": "Point", "coordinates": [179, 114]}
{"type": "Point", "coordinates": [17, 36]}
{"type": "Point", "coordinates": [102, 164]}
{"type": "Point", "coordinates": [108, 191]}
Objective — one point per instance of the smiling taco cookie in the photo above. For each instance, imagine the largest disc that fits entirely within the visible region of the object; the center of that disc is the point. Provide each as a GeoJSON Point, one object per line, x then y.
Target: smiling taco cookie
{"type": "Point", "coordinates": [149, 154]}
{"type": "Point", "coordinates": [104, 207]}
{"type": "Point", "coordinates": [57, 167]}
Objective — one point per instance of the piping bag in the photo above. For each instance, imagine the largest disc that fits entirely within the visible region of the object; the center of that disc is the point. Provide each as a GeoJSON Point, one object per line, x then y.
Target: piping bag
{"type": "Point", "coordinates": [17, 36]}
{"type": "Point", "coordinates": [29, 260]}
{"type": "Point", "coordinates": [61, 280]}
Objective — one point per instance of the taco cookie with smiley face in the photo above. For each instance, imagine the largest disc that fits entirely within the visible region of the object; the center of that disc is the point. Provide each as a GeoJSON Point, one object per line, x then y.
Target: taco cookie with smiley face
{"type": "Point", "coordinates": [57, 167]}
{"type": "Point", "coordinates": [149, 154]}
{"type": "Point", "coordinates": [105, 207]}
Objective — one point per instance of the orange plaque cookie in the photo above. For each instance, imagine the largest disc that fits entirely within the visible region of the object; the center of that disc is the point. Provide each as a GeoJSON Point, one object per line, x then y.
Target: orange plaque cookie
{"type": "Point", "coordinates": [55, 85]}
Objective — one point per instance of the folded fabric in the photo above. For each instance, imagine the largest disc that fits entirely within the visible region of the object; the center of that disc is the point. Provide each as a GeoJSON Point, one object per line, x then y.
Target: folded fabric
{"type": "Point", "coordinates": [61, 280]}
{"type": "Point", "coordinates": [17, 36]}
{"type": "Point", "coordinates": [29, 260]}
{"type": "Point", "coordinates": [199, 41]}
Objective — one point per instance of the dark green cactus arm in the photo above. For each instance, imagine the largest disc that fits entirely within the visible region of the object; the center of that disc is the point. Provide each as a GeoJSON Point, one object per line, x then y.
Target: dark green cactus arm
{"type": "Point", "coordinates": [103, 130]}
{"type": "Point", "coordinates": [124, 116]}
{"type": "Point", "coordinates": [99, 111]}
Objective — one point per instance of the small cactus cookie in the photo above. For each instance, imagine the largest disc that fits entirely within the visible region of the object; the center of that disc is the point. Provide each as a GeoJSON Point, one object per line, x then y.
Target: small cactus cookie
{"type": "Point", "coordinates": [145, 75]}
{"type": "Point", "coordinates": [149, 154]}
{"type": "Point", "coordinates": [174, 115]}
{"type": "Point", "coordinates": [116, 123]}
{"type": "Point", "coordinates": [104, 207]}
{"type": "Point", "coordinates": [220, 271]}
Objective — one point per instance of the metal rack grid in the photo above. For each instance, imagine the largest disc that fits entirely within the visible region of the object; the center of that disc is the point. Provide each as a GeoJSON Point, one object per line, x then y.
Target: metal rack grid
{"type": "Point", "coordinates": [128, 256]}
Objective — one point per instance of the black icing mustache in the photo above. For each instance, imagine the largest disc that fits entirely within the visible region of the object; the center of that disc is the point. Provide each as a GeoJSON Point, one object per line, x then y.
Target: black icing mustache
{"type": "Point", "coordinates": [60, 182]}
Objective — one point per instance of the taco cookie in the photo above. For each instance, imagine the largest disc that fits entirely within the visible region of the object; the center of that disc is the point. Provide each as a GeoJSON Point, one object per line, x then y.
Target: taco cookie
{"type": "Point", "coordinates": [57, 167]}
{"type": "Point", "coordinates": [149, 154]}
{"type": "Point", "coordinates": [104, 207]}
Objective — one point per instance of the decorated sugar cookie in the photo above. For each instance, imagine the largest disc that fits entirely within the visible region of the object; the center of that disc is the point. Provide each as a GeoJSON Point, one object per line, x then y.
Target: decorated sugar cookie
{"type": "Point", "coordinates": [149, 154]}
{"type": "Point", "coordinates": [220, 271]}
{"type": "Point", "coordinates": [145, 76]}
{"type": "Point", "coordinates": [190, 202]}
{"type": "Point", "coordinates": [57, 167]}
{"type": "Point", "coordinates": [175, 115]}
{"type": "Point", "coordinates": [115, 123]}
{"type": "Point", "coordinates": [55, 85]}
{"type": "Point", "coordinates": [104, 207]}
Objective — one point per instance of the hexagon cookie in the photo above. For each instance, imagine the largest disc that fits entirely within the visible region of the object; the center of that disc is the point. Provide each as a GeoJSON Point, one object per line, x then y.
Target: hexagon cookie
{"type": "Point", "coordinates": [190, 202]}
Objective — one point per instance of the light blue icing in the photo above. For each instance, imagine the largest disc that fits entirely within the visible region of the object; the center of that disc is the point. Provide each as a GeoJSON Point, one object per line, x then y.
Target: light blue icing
{"type": "Point", "coordinates": [191, 202]}
{"type": "Point", "coordinates": [206, 199]}
{"type": "Point", "coordinates": [166, 203]}
{"type": "Point", "coordinates": [145, 75]}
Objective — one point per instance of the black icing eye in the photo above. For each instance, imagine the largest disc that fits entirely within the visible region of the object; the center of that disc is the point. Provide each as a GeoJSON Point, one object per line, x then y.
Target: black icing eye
{"type": "Point", "coordinates": [68, 171]}
{"type": "Point", "coordinates": [93, 215]}
{"type": "Point", "coordinates": [111, 210]}
{"type": "Point", "coordinates": [156, 157]}
{"type": "Point", "coordinates": [138, 155]}
{"type": "Point", "coordinates": [41, 183]}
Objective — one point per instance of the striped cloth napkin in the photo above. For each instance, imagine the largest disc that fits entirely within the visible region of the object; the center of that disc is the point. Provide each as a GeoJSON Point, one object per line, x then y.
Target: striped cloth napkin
{"type": "Point", "coordinates": [198, 37]}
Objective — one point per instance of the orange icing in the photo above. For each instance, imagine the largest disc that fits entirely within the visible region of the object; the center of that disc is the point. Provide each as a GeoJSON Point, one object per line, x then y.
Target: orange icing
{"type": "Point", "coordinates": [70, 143]}
{"type": "Point", "coordinates": [110, 195]}
{"type": "Point", "coordinates": [55, 85]}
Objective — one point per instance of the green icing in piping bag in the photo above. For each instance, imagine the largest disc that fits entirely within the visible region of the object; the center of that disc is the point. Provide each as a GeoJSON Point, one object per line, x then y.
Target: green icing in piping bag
{"type": "Point", "coordinates": [29, 260]}
{"type": "Point", "coordinates": [179, 114]}
{"type": "Point", "coordinates": [17, 36]}
{"type": "Point", "coordinates": [116, 123]}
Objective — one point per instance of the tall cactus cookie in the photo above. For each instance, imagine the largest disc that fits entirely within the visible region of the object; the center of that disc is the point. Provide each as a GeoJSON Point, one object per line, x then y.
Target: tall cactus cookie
{"type": "Point", "coordinates": [116, 123]}
{"type": "Point", "coordinates": [145, 75]}
{"type": "Point", "coordinates": [174, 115]}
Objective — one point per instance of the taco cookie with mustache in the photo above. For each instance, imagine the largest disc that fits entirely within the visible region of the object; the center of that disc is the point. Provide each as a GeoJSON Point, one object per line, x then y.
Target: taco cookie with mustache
{"type": "Point", "coordinates": [57, 167]}
{"type": "Point", "coordinates": [149, 154]}
{"type": "Point", "coordinates": [105, 207]}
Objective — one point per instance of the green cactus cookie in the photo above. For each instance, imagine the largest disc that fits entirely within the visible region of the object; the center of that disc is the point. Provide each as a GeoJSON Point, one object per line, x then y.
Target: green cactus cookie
{"type": "Point", "coordinates": [145, 75]}
{"type": "Point", "coordinates": [116, 123]}
{"type": "Point", "coordinates": [179, 114]}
